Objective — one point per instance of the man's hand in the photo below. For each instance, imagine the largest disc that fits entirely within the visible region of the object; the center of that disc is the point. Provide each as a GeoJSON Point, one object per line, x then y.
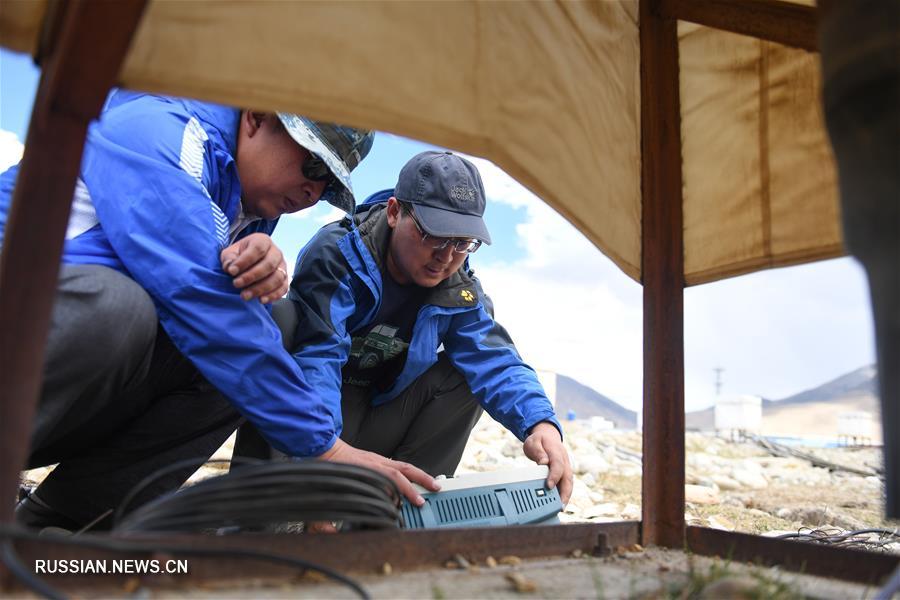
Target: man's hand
{"type": "Point", "coordinates": [258, 268]}
{"type": "Point", "coordinates": [544, 446]}
{"type": "Point", "coordinates": [400, 473]}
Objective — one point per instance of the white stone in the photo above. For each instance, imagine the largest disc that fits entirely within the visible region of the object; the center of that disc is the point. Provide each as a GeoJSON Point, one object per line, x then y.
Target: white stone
{"type": "Point", "coordinates": [725, 482]}
{"type": "Point", "coordinates": [593, 464]}
{"type": "Point", "coordinates": [512, 449]}
{"type": "Point", "coordinates": [720, 522]}
{"type": "Point", "coordinates": [749, 478]}
{"type": "Point", "coordinates": [630, 470]}
{"type": "Point", "coordinates": [581, 496]}
{"type": "Point", "coordinates": [631, 511]}
{"type": "Point", "coordinates": [699, 460]}
{"type": "Point", "coordinates": [607, 509]}
{"type": "Point", "coordinates": [699, 494]}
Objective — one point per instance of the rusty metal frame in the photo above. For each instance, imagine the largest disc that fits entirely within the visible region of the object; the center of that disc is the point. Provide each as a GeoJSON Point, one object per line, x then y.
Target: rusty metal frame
{"type": "Point", "coordinates": [362, 551]}
{"type": "Point", "coordinates": [84, 46]}
{"type": "Point", "coordinates": [813, 559]}
{"type": "Point", "coordinates": [772, 20]}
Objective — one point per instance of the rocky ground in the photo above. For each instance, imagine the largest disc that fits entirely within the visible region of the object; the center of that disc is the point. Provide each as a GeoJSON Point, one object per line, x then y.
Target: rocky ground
{"type": "Point", "coordinates": [737, 486]}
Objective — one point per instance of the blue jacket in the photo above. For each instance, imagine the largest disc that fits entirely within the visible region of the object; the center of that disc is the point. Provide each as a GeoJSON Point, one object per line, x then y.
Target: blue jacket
{"type": "Point", "coordinates": [336, 291]}
{"type": "Point", "coordinates": [157, 194]}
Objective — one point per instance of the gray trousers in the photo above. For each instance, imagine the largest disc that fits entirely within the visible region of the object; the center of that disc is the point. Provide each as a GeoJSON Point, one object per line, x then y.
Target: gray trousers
{"type": "Point", "coordinates": [427, 425]}
{"type": "Point", "coordinates": [118, 400]}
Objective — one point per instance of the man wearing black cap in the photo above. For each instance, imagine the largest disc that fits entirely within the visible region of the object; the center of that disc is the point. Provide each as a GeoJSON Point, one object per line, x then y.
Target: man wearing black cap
{"type": "Point", "coordinates": [393, 330]}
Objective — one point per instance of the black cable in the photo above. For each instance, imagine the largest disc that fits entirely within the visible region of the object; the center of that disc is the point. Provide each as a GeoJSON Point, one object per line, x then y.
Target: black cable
{"type": "Point", "coordinates": [10, 559]}
{"type": "Point", "coordinates": [259, 494]}
{"type": "Point", "coordinates": [34, 583]}
{"type": "Point", "coordinates": [269, 493]}
{"type": "Point", "coordinates": [168, 470]}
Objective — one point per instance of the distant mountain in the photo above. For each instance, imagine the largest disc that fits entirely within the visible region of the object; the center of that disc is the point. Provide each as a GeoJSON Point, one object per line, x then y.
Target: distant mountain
{"type": "Point", "coordinates": [813, 411]}
{"type": "Point", "coordinates": [861, 382]}
{"type": "Point", "coordinates": [587, 402]}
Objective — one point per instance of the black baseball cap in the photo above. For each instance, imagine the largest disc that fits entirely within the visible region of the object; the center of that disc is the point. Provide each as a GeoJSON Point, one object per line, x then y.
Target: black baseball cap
{"type": "Point", "coordinates": [447, 193]}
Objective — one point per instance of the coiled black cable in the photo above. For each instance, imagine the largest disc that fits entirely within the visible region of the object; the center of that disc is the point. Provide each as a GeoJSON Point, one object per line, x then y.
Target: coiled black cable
{"type": "Point", "coordinates": [272, 493]}
{"type": "Point", "coordinates": [255, 495]}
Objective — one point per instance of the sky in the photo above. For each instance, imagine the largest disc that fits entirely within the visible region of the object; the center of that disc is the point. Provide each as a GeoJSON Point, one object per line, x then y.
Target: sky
{"type": "Point", "coordinates": [571, 310]}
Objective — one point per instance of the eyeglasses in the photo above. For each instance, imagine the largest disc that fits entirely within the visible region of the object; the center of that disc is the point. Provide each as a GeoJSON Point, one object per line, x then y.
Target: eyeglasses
{"type": "Point", "coordinates": [460, 246]}
{"type": "Point", "coordinates": [315, 169]}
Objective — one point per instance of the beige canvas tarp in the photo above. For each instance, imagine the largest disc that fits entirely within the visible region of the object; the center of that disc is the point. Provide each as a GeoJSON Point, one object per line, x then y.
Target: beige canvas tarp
{"type": "Point", "coordinates": [549, 91]}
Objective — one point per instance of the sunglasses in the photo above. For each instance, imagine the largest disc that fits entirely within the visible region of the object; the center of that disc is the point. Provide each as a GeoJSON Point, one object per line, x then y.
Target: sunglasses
{"type": "Point", "coordinates": [315, 169]}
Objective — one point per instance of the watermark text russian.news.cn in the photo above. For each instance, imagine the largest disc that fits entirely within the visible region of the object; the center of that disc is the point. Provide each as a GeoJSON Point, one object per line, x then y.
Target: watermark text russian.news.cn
{"type": "Point", "coordinates": [129, 566]}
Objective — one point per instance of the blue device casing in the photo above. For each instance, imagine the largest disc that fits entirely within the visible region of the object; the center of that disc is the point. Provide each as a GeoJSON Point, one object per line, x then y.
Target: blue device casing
{"type": "Point", "coordinates": [518, 503]}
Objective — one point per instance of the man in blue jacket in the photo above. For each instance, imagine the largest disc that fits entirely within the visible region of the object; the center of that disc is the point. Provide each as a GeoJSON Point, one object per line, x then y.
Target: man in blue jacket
{"type": "Point", "coordinates": [160, 302]}
{"type": "Point", "coordinates": [388, 323]}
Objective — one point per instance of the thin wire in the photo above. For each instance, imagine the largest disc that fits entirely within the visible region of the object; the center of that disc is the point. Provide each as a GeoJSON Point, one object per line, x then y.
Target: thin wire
{"type": "Point", "coordinates": [849, 539]}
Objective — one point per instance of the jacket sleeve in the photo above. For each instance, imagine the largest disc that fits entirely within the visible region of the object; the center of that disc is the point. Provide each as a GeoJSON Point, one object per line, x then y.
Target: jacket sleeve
{"type": "Point", "coordinates": [149, 180]}
{"type": "Point", "coordinates": [505, 386]}
{"type": "Point", "coordinates": [324, 297]}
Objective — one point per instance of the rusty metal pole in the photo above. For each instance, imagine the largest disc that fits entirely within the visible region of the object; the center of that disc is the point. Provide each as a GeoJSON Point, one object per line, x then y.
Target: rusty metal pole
{"type": "Point", "coordinates": [82, 65]}
{"type": "Point", "coordinates": [662, 268]}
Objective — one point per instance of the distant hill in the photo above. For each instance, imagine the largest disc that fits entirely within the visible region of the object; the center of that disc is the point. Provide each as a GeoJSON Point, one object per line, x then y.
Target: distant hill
{"type": "Point", "coordinates": [813, 411]}
{"type": "Point", "coordinates": [587, 402]}
{"type": "Point", "coordinates": [861, 382]}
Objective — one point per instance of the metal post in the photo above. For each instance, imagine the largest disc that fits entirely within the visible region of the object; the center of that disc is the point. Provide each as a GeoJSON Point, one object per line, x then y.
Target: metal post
{"type": "Point", "coordinates": [662, 268]}
{"type": "Point", "coordinates": [82, 65]}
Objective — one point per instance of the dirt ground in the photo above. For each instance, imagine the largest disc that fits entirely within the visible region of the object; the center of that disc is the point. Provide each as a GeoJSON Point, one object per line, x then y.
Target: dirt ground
{"type": "Point", "coordinates": [644, 574]}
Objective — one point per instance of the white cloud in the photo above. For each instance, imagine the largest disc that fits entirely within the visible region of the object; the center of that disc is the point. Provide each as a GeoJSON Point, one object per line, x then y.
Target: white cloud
{"type": "Point", "coordinates": [335, 214]}
{"type": "Point", "coordinates": [567, 307]}
{"type": "Point", "coordinates": [10, 149]}
{"type": "Point", "coordinates": [500, 187]}
{"type": "Point", "coordinates": [777, 332]}
{"type": "Point", "coordinates": [571, 310]}
{"type": "Point", "coordinates": [321, 213]}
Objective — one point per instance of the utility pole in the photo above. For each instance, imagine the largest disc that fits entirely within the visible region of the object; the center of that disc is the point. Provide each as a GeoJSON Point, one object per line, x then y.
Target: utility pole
{"type": "Point", "coordinates": [719, 371]}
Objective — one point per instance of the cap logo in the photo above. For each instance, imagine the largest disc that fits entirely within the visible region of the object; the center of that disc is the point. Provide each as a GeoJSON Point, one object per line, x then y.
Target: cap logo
{"type": "Point", "coordinates": [462, 193]}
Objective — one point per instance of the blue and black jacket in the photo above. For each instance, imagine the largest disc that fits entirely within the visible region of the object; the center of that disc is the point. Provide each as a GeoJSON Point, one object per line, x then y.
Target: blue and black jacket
{"type": "Point", "coordinates": [336, 291]}
{"type": "Point", "coordinates": [156, 199]}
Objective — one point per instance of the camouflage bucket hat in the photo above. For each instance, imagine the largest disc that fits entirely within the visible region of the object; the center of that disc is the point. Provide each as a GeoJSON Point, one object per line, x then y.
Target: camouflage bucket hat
{"type": "Point", "coordinates": [341, 148]}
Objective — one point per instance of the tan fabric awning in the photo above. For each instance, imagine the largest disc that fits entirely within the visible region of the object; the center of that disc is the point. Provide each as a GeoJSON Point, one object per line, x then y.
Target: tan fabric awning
{"type": "Point", "coordinates": [549, 91]}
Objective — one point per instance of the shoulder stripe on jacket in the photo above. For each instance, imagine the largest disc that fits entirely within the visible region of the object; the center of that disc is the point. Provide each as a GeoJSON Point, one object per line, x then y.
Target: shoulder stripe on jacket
{"type": "Point", "coordinates": [191, 160]}
{"type": "Point", "coordinates": [192, 149]}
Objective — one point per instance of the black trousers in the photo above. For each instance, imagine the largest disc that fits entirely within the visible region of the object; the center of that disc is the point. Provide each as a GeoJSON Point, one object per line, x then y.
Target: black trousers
{"type": "Point", "coordinates": [427, 425]}
{"type": "Point", "coordinates": [118, 400]}
{"type": "Point", "coordinates": [860, 43]}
